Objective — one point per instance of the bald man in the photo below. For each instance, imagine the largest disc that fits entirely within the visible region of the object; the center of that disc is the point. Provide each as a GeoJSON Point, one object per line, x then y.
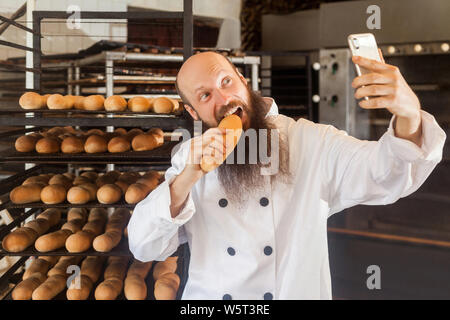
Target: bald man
{"type": "Point", "coordinates": [256, 234]}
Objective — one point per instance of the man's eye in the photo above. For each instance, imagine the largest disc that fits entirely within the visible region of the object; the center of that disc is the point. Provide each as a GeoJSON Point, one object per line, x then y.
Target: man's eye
{"type": "Point", "coordinates": [204, 96]}
{"type": "Point", "coordinates": [226, 81]}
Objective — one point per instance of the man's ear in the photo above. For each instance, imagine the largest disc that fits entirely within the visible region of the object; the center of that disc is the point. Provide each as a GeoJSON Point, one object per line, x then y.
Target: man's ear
{"type": "Point", "coordinates": [191, 111]}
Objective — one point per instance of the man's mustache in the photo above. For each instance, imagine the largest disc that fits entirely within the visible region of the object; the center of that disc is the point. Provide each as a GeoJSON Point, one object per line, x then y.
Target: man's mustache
{"type": "Point", "coordinates": [225, 108]}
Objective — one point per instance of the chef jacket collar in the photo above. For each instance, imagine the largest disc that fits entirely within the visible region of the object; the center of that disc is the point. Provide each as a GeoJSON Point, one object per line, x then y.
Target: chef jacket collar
{"type": "Point", "coordinates": [273, 111]}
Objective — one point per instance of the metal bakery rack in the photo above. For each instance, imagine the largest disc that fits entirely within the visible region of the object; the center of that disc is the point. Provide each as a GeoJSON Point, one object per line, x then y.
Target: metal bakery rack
{"type": "Point", "coordinates": [158, 159]}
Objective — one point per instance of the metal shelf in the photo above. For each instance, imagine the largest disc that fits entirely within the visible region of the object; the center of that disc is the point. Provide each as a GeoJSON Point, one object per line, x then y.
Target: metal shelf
{"type": "Point", "coordinates": [160, 156]}
{"type": "Point", "coordinates": [65, 204]}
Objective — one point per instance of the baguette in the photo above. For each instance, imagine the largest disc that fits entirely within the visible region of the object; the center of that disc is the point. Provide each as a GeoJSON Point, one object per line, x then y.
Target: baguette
{"type": "Point", "coordinates": [91, 268]}
{"type": "Point", "coordinates": [113, 231]}
{"type": "Point", "coordinates": [82, 240]}
{"type": "Point", "coordinates": [28, 193]}
{"type": "Point", "coordinates": [135, 287]}
{"type": "Point", "coordinates": [37, 266]}
{"type": "Point", "coordinates": [24, 290]}
{"type": "Point", "coordinates": [166, 287]}
{"type": "Point", "coordinates": [167, 266]}
{"type": "Point", "coordinates": [114, 274]}
{"type": "Point", "coordinates": [50, 288]}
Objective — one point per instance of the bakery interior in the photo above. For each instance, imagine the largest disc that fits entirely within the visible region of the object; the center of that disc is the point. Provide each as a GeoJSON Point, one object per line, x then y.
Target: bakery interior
{"type": "Point", "coordinates": [95, 132]}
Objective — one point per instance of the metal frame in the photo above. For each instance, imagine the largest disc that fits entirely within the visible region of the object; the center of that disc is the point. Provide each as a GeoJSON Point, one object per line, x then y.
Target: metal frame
{"type": "Point", "coordinates": [186, 15]}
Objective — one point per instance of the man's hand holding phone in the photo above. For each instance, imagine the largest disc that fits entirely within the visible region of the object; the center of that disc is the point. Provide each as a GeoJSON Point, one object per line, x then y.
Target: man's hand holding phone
{"type": "Point", "coordinates": [386, 88]}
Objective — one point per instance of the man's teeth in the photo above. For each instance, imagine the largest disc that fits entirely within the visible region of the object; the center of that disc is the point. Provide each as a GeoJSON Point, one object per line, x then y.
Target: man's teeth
{"type": "Point", "coordinates": [231, 111]}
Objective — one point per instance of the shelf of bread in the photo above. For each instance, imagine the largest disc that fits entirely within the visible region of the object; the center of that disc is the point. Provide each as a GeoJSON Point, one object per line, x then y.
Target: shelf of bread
{"type": "Point", "coordinates": [101, 278]}
{"type": "Point", "coordinates": [67, 145]}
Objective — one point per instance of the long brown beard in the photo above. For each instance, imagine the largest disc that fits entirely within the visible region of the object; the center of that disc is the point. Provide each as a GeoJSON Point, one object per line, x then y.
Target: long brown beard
{"type": "Point", "coordinates": [241, 181]}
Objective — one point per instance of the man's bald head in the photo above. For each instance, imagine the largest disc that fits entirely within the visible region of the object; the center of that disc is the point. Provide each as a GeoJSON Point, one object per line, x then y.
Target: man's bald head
{"type": "Point", "coordinates": [199, 57]}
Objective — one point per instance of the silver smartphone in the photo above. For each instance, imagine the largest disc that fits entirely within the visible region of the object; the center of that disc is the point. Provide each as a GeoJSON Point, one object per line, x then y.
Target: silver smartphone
{"type": "Point", "coordinates": [364, 45]}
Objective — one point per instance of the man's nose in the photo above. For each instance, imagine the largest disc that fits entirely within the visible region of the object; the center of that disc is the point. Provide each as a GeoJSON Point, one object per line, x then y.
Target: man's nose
{"type": "Point", "coordinates": [222, 98]}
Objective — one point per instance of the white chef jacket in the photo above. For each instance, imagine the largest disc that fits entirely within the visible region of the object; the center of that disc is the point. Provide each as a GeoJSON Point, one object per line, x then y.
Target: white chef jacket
{"type": "Point", "coordinates": [277, 246]}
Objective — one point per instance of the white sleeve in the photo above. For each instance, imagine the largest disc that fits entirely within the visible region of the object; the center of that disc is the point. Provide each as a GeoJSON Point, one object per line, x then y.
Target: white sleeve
{"type": "Point", "coordinates": [152, 232]}
{"type": "Point", "coordinates": [378, 172]}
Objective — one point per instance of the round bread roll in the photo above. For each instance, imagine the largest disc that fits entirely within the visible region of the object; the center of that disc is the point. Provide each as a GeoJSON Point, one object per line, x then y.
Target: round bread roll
{"type": "Point", "coordinates": [31, 101]}
{"type": "Point", "coordinates": [26, 143]}
{"type": "Point", "coordinates": [72, 145]}
{"type": "Point", "coordinates": [58, 102]}
{"type": "Point", "coordinates": [115, 103]}
{"type": "Point", "coordinates": [53, 194]}
{"type": "Point", "coordinates": [118, 144]}
{"type": "Point", "coordinates": [26, 193]}
{"type": "Point", "coordinates": [94, 102]}
{"type": "Point", "coordinates": [48, 145]}
{"type": "Point", "coordinates": [95, 144]}
{"type": "Point", "coordinates": [144, 142]}
{"type": "Point", "coordinates": [79, 103]}
{"type": "Point", "coordinates": [162, 105]}
{"type": "Point", "coordinates": [121, 131]}
{"type": "Point", "coordinates": [136, 192]}
{"type": "Point", "coordinates": [109, 193]}
{"type": "Point", "coordinates": [78, 195]}
{"type": "Point", "coordinates": [138, 104]}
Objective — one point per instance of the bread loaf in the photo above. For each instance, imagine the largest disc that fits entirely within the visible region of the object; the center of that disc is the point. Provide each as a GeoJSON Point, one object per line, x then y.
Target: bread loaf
{"type": "Point", "coordinates": [36, 179]}
{"type": "Point", "coordinates": [122, 185]}
{"type": "Point", "coordinates": [26, 143]}
{"type": "Point", "coordinates": [24, 290]}
{"type": "Point", "coordinates": [176, 105]}
{"type": "Point", "coordinates": [113, 231]}
{"type": "Point", "coordinates": [233, 124]}
{"type": "Point", "coordinates": [52, 215]}
{"type": "Point", "coordinates": [19, 239]}
{"type": "Point", "coordinates": [95, 144]}
{"type": "Point", "coordinates": [118, 144]}
{"type": "Point", "coordinates": [135, 287]}
{"type": "Point", "coordinates": [90, 272]}
{"type": "Point", "coordinates": [50, 288]}
{"type": "Point", "coordinates": [48, 145]}
{"type": "Point", "coordinates": [52, 241]}
{"type": "Point", "coordinates": [27, 193]}
{"type": "Point", "coordinates": [115, 103]}
{"type": "Point", "coordinates": [77, 213]}
{"type": "Point", "coordinates": [81, 180]}
{"type": "Point", "coordinates": [114, 274]}
{"type": "Point", "coordinates": [133, 133]}
{"type": "Point", "coordinates": [70, 101]}
{"type": "Point", "coordinates": [94, 103]}
{"type": "Point", "coordinates": [92, 189]}
{"type": "Point", "coordinates": [167, 266]}
{"type": "Point", "coordinates": [158, 134]}
{"type": "Point", "coordinates": [37, 266]}
{"type": "Point", "coordinates": [79, 103]}
{"type": "Point", "coordinates": [136, 193]}
{"type": "Point", "coordinates": [72, 145]}
{"type": "Point", "coordinates": [58, 102]}
{"type": "Point", "coordinates": [120, 131]}
{"type": "Point", "coordinates": [82, 240]}
{"type": "Point", "coordinates": [53, 194]}
{"type": "Point", "coordinates": [60, 268]}
{"type": "Point", "coordinates": [109, 193]}
{"type": "Point", "coordinates": [144, 142]}
{"type": "Point", "coordinates": [166, 287]}
{"type": "Point", "coordinates": [39, 225]}
{"type": "Point", "coordinates": [31, 101]}
{"type": "Point", "coordinates": [91, 175]}
{"type": "Point", "coordinates": [138, 104]}
{"type": "Point", "coordinates": [108, 178]}
{"type": "Point", "coordinates": [162, 105]}
{"type": "Point", "coordinates": [78, 195]}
